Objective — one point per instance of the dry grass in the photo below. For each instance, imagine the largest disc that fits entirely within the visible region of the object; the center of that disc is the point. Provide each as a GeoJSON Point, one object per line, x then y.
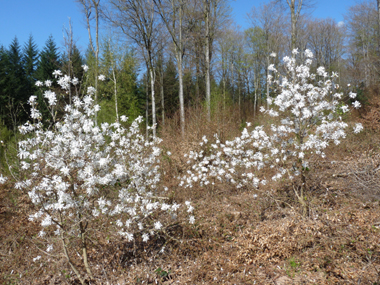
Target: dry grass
{"type": "Point", "coordinates": [238, 238]}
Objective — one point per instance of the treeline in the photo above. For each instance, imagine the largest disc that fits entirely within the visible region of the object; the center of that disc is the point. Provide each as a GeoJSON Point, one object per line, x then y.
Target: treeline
{"type": "Point", "coordinates": [185, 53]}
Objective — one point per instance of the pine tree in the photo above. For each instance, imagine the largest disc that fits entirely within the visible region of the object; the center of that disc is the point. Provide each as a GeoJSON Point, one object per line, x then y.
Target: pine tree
{"type": "Point", "coordinates": [3, 80]}
{"type": "Point", "coordinates": [49, 61]}
{"type": "Point", "coordinates": [171, 86]}
{"type": "Point", "coordinates": [30, 59]}
{"type": "Point", "coordinates": [15, 87]}
{"type": "Point", "coordinates": [77, 62]}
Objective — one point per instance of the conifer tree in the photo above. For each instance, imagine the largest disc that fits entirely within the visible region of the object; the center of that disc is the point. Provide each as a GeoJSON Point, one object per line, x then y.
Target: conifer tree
{"type": "Point", "coordinates": [15, 87]}
{"type": "Point", "coordinates": [49, 61]}
{"type": "Point", "coordinates": [30, 59]}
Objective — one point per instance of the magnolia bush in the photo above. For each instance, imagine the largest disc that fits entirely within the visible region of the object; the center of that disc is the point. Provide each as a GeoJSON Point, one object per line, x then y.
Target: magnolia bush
{"type": "Point", "coordinates": [307, 111]}
{"type": "Point", "coordinates": [77, 172]}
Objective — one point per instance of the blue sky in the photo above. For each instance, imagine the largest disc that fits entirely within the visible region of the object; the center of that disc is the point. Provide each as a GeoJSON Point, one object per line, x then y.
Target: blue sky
{"type": "Point", "coordinates": [42, 18]}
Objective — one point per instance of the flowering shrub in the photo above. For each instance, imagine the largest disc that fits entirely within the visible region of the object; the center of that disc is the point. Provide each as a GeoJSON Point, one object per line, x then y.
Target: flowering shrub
{"type": "Point", "coordinates": [306, 108]}
{"type": "Point", "coordinates": [78, 171]}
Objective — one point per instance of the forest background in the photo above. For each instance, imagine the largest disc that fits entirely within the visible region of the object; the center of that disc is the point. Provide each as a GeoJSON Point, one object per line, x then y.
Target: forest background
{"type": "Point", "coordinates": [203, 59]}
{"type": "Point", "coordinates": [189, 68]}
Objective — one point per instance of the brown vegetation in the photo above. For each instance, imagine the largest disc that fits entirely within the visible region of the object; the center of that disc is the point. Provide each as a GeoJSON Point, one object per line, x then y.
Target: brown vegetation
{"type": "Point", "coordinates": [243, 236]}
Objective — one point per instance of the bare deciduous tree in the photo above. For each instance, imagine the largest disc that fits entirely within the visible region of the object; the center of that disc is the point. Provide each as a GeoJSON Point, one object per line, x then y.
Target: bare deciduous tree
{"type": "Point", "coordinates": [89, 7]}
{"type": "Point", "coordinates": [138, 21]}
{"type": "Point", "coordinates": [174, 15]}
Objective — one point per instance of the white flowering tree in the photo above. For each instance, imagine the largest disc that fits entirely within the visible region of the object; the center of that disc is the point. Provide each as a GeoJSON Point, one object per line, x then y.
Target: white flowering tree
{"type": "Point", "coordinates": [306, 110]}
{"type": "Point", "coordinates": [77, 172]}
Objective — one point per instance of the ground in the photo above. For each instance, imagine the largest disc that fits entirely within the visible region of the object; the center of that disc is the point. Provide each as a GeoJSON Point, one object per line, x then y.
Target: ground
{"type": "Point", "coordinates": [240, 236]}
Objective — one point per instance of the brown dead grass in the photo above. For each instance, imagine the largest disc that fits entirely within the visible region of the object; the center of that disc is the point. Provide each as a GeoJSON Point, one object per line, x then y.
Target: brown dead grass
{"type": "Point", "coordinates": [238, 238]}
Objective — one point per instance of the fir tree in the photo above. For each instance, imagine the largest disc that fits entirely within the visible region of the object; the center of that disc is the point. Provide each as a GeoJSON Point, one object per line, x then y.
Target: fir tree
{"type": "Point", "coordinates": [49, 61]}
{"type": "Point", "coordinates": [30, 59]}
{"type": "Point", "coordinates": [171, 87]}
{"type": "Point", "coordinates": [3, 79]}
{"type": "Point", "coordinates": [15, 87]}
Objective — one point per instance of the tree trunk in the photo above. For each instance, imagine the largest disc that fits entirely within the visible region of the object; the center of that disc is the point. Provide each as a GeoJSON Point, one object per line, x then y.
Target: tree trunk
{"type": "Point", "coordinates": [207, 57]}
{"type": "Point", "coordinates": [152, 78]}
{"type": "Point", "coordinates": [181, 99]}
{"type": "Point", "coordinates": [115, 90]}
{"type": "Point", "coordinates": [378, 25]}
{"type": "Point", "coordinates": [162, 93]}
{"type": "Point", "coordinates": [147, 106]}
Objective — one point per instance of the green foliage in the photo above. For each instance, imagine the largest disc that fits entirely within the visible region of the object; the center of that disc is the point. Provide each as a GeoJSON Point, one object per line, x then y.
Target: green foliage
{"type": "Point", "coordinates": [74, 62]}
{"type": "Point", "coordinates": [30, 59]}
{"type": "Point", "coordinates": [13, 86]}
{"type": "Point", "coordinates": [171, 88]}
{"type": "Point", "coordinates": [119, 65]}
{"type": "Point", "coordinates": [49, 61]}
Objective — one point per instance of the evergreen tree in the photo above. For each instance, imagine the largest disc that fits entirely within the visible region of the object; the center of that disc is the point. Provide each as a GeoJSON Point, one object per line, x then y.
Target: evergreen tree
{"type": "Point", "coordinates": [77, 62]}
{"type": "Point", "coordinates": [171, 87]}
{"type": "Point", "coordinates": [30, 59]}
{"type": "Point", "coordinates": [3, 80]}
{"type": "Point", "coordinates": [119, 66]}
{"type": "Point", "coordinates": [49, 61]}
{"type": "Point", "coordinates": [132, 99]}
{"type": "Point", "coordinates": [15, 87]}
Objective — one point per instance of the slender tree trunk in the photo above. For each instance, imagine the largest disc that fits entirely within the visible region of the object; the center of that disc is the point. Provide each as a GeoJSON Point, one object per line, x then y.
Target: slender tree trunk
{"type": "Point", "coordinates": [197, 92]}
{"type": "Point", "coordinates": [115, 90]}
{"type": "Point", "coordinates": [293, 23]}
{"type": "Point", "coordinates": [147, 106]}
{"type": "Point", "coordinates": [180, 75]}
{"type": "Point", "coordinates": [378, 25]}
{"type": "Point", "coordinates": [162, 93]}
{"type": "Point", "coordinates": [207, 57]}
{"type": "Point", "coordinates": [267, 84]}
{"type": "Point", "coordinates": [84, 249]}
{"type": "Point", "coordinates": [152, 79]}
{"type": "Point", "coordinates": [181, 99]}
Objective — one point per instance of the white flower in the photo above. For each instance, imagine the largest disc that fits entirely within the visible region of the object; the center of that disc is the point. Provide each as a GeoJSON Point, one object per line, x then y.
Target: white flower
{"type": "Point", "coordinates": [358, 128]}
{"type": "Point", "coordinates": [39, 83]}
{"type": "Point", "coordinates": [191, 219]}
{"type": "Point", "coordinates": [344, 109]}
{"type": "Point", "coordinates": [37, 258]}
{"type": "Point", "coordinates": [145, 237]}
{"type": "Point", "coordinates": [51, 97]}
{"type": "Point", "coordinates": [75, 81]}
{"type": "Point", "coordinates": [91, 90]}
{"type": "Point", "coordinates": [57, 73]}
{"type": "Point", "coordinates": [157, 225]}
{"type": "Point", "coordinates": [49, 248]}
{"type": "Point", "coordinates": [123, 118]}
{"type": "Point", "coordinates": [352, 95]}
{"type": "Point", "coordinates": [48, 83]}
{"type": "Point", "coordinates": [356, 104]}
{"type": "Point", "coordinates": [308, 53]}
{"type": "Point", "coordinates": [271, 67]}
{"type": "Point", "coordinates": [2, 179]}
{"type": "Point", "coordinates": [273, 54]}
{"type": "Point", "coordinates": [65, 170]}
{"type": "Point", "coordinates": [102, 77]}
{"type": "Point", "coordinates": [85, 67]}
{"type": "Point", "coordinates": [32, 99]}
